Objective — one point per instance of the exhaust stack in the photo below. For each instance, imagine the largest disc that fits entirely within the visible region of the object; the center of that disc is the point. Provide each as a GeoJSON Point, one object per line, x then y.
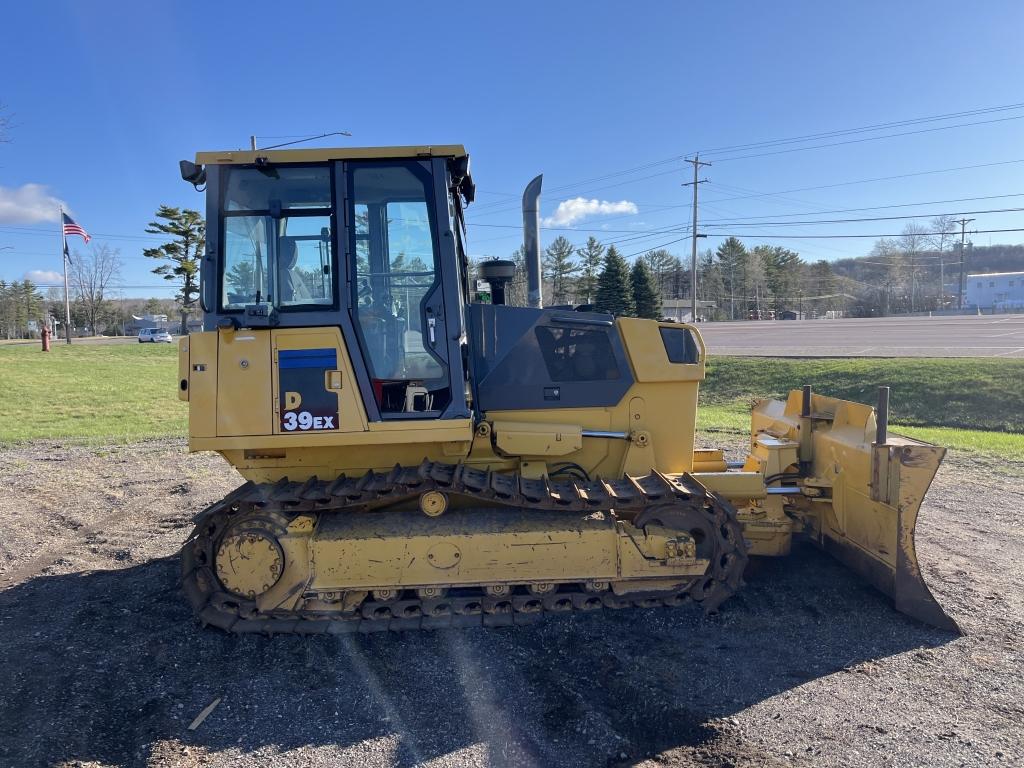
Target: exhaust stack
{"type": "Point", "coordinates": [531, 241]}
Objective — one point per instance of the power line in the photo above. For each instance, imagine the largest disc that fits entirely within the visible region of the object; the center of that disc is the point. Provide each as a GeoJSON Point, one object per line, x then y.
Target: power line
{"type": "Point", "coordinates": [869, 138]}
{"type": "Point", "coordinates": [493, 211]}
{"type": "Point", "coordinates": [788, 200]}
{"type": "Point", "coordinates": [551, 229]}
{"type": "Point", "coordinates": [790, 140]}
{"type": "Point", "coordinates": [43, 232]}
{"type": "Point", "coordinates": [862, 129]}
{"type": "Point", "coordinates": [819, 237]}
{"type": "Point", "coordinates": [641, 234]}
{"type": "Point", "coordinates": [869, 181]}
{"type": "Point", "coordinates": [894, 264]}
{"type": "Point", "coordinates": [863, 219]}
{"type": "Point", "coordinates": [797, 189]}
{"type": "Point", "coordinates": [843, 237]}
{"type": "Point", "coordinates": [655, 247]}
{"type": "Point", "coordinates": [614, 174]}
{"type": "Point", "coordinates": [875, 207]}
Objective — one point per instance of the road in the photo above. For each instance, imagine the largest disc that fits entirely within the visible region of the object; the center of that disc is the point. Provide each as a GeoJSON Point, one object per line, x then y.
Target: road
{"type": "Point", "coordinates": [959, 336]}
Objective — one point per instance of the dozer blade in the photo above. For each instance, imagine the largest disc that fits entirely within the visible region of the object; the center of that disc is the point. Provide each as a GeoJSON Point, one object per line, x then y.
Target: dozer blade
{"type": "Point", "coordinates": [869, 488]}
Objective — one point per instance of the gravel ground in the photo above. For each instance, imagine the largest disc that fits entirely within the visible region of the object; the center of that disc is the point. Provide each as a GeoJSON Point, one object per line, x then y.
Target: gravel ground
{"type": "Point", "coordinates": [102, 664]}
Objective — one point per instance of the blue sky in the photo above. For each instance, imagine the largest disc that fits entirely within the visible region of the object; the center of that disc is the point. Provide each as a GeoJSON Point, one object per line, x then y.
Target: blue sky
{"type": "Point", "coordinates": [107, 97]}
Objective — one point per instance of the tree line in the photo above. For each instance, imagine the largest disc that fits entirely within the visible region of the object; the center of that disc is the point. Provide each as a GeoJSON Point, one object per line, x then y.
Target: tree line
{"type": "Point", "coordinates": [915, 272]}
{"type": "Point", "coordinates": [592, 275]}
{"type": "Point", "coordinates": [751, 282]}
{"type": "Point", "coordinates": [21, 309]}
{"type": "Point", "coordinates": [735, 279]}
{"type": "Point", "coordinates": [919, 271]}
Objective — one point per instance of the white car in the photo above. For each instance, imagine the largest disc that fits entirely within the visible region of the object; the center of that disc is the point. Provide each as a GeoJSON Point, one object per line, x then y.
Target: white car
{"type": "Point", "coordinates": [154, 335]}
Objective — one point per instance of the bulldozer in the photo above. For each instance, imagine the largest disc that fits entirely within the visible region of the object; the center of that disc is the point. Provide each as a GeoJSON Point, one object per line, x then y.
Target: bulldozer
{"type": "Point", "coordinates": [417, 458]}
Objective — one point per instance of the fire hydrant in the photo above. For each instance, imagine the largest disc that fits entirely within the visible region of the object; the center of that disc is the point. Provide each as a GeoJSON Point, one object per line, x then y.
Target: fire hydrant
{"type": "Point", "coordinates": [45, 335]}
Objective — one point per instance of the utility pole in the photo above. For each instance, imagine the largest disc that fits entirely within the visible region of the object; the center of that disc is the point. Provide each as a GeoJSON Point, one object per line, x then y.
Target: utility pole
{"type": "Point", "coordinates": [942, 283]}
{"type": "Point", "coordinates": [732, 286]}
{"type": "Point", "coordinates": [697, 163]}
{"type": "Point", "coordinates": [963, 235]}
{"type": "Point", "coordinates": [913, 281]}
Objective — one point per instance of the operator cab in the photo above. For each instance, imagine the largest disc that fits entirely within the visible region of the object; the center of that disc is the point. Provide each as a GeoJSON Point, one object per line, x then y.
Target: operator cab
{"type": "Point", "coordinates": [310, 238]}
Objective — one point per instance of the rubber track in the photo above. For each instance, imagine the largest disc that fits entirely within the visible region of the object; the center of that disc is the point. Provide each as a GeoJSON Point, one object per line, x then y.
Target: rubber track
{"type": "Point", "coordinates": [629, 496]}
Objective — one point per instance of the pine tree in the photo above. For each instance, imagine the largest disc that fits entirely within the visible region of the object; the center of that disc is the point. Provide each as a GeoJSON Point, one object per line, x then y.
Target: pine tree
{"type": "Point", "coordinates": [660, 264]}
{"type": "Point", "coordinates": [709, 283]}
{"type": "Point", "coordinates": [732, 262]}
{"type": "Point", "coordinates": [646, 297]}
{"type": "Point", "coordinates": [614, 293]}
{"type": "Point", "coordinates": [559, 268]}
{"type": "Point", "coordinates": [782, 271]}
{"type": "Point", "coordinates": [675, 282]}
{"type": "Point", "coordinates": [181, 255]}
{"type": "Point", "coordinates": [20, 304]}
{"type": "Point", "coordinates": [590, 266]}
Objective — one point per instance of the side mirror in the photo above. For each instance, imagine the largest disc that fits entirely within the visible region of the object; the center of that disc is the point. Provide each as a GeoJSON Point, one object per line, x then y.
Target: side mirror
{"type": "Point", "coordinates": [192, 173]}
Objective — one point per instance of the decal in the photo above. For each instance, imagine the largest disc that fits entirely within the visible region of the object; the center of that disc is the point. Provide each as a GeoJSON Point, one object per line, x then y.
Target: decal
{"type": "Point", "coordinates": [304, 420]}
{"type": "Point", "coordinates": [306, 404]}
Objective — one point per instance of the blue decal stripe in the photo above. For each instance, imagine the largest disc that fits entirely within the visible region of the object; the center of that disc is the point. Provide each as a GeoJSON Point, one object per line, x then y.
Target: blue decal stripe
{"type": "Point", "coordinates": [307, 358]}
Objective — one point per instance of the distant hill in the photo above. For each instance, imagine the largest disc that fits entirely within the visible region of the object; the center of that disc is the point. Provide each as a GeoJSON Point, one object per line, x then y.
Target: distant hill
{"type": "Point", "coordinates": [892, 280]}
{"type": "Point", "coordinates": [980, 258]}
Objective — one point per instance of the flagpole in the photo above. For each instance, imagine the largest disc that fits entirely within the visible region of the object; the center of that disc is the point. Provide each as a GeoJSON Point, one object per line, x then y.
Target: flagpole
{"type": "Point", "coordinates": [64, 258]}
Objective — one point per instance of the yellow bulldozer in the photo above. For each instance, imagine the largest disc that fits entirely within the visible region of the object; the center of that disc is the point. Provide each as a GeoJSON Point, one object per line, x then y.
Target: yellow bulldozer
{"type": "Point", "coordinates": [418, 458]}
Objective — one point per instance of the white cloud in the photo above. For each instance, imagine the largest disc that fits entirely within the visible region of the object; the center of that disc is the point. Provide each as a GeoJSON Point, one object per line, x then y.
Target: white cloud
{"type": "Point", "coordinates": [570, 212]}
{"type": "Point", "coordinates": [28, 204]}
{"type": "Point", "coordinates": [44, 276]}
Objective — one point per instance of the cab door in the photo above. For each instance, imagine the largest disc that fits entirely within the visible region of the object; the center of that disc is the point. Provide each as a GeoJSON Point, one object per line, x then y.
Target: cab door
{"type": "Point", "coordinates": [403, 289]}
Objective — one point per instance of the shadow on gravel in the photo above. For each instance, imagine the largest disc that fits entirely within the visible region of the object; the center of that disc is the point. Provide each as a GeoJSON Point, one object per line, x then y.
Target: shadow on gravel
{"type": "Point", "coordinates": [105, 666]}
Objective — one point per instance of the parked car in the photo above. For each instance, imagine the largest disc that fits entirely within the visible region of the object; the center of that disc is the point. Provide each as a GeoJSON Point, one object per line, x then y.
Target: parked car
{"type": "Point", "coordinates": [154, 335]}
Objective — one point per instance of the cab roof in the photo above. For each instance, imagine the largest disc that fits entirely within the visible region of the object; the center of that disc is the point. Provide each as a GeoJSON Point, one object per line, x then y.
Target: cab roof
{"type": "Point", "coordinates": [249, 157]}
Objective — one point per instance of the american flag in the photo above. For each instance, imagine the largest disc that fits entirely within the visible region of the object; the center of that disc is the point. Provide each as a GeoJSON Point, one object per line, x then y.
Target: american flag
{"type": "Point", "coordinates": [71, 228]}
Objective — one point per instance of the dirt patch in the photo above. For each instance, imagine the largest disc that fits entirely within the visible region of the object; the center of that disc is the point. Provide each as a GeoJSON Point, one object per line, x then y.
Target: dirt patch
{"type": "Point", "coordinates": [102, 664]}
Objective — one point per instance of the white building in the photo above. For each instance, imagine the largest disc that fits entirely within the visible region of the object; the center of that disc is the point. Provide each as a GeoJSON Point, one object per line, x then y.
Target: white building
{"type": "Point", "coordinates": [999, 290]}
{"type": "Point", "coordinates": [681, 310]}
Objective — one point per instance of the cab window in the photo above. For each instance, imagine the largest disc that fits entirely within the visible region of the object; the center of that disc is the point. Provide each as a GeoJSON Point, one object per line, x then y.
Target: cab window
{"type": "Point", "coordinates": [277, 238]}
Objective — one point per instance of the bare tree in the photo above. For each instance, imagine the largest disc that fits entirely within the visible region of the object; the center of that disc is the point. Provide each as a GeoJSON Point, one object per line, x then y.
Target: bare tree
{"type": "Point", "coordinates": [913, 241]}
{"type": "Point", "coordinates": [91, 276]}
{"type": "Point", "coordinates": [944, 229]}
{"type": "Point", "coordinates": [516, 293]}
{"type": "Point", "coordinates": [887, 274]}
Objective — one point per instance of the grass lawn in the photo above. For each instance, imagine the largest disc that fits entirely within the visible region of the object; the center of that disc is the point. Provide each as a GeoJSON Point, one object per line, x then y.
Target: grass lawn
{"type": "Point", "coordinates": [102, 393]}
{"type": "Point", "coordinates": [90, 392]}
{"type": "Point", "coordinates": [968, 404]}
{"type": "Point", "coordinates": [734, 418]}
